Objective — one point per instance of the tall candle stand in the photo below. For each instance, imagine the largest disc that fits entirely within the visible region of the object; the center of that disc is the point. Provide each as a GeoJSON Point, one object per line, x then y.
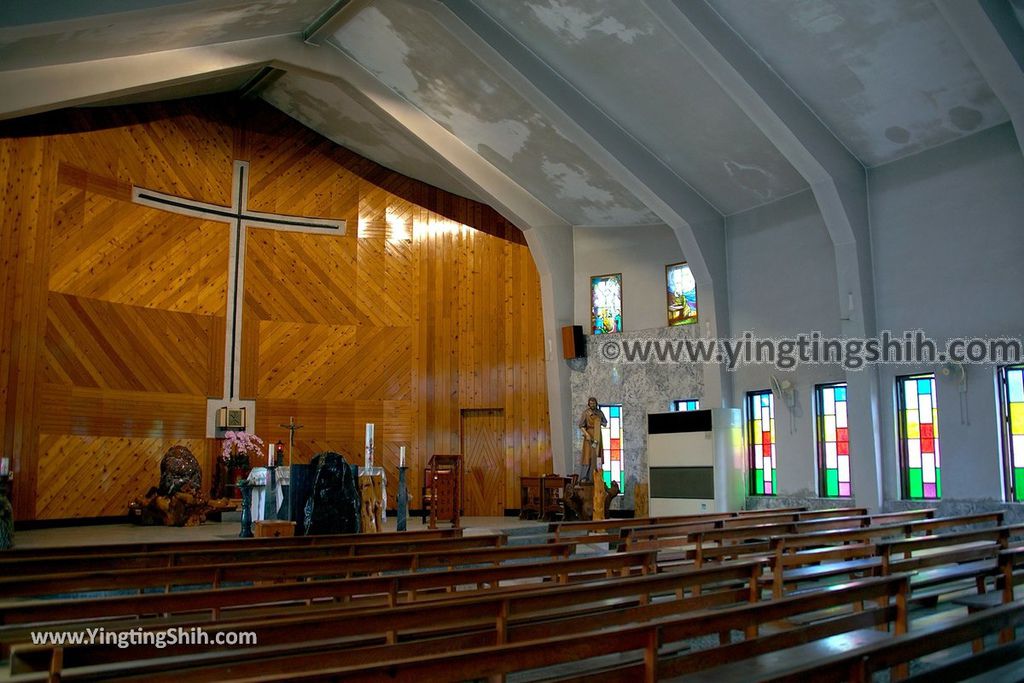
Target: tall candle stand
{"type": "Point", "coordinates": [270, 497]}
{"type": "Point", "coordinates": [6, 515]}
{"type": "Point", "coordinates": [246, 488]}
{"type": "Point", "coordinates": [403, 499]}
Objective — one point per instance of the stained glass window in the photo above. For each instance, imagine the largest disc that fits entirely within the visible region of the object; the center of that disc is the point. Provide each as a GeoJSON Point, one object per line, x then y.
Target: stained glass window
{"type": "Point", "coordinates": [606, 303]}
{"type": "Point", "coordinates": [682, 295]}
{"type": "Point", "coordinates": [684, 405]}
{"type": "Point", "coordinates": [918, 419]}
{"type": "Point", "coordinates": [1012, 391]}
{"type": "Point", "coordinates": [761, 439]}
{"type": "Point", "coordinates": [833, 440]}
{"type": "Point", "coordinates": [611, 437]}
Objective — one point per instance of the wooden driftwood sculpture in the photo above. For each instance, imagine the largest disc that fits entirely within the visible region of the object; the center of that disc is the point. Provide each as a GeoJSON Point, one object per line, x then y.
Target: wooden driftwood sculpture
{"type": "Point", "coordinates": [178, 501]}
{"type": "Point", "coordinates": [372, 521]}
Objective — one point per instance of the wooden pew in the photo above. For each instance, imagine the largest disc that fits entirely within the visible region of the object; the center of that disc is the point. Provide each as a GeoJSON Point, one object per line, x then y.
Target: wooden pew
{"type": "Point", "coordinates": [882, 599]}
{"type": "Point", "coordinates": [1011, 574]}
{"type": "Point", "coordinates": [525, 615]}
{"type": "Point", "coordinates": [609, 527]}
{"type": "Point", "coordinates": [806, 557]}
{"type": "Point", "coordinates": [700, 546]}
{"type": "Point", "coordinates": [903, 527]}
{"type": "Point", "coordinates": [24, 566]}
{"type": "Point", "coordinates": [215, 575]}
{"type": "Point", "coordinates": [608, 530]}
{"type": "Point", "coordinates": [941, 560]}
{"type": "Point", "coordinates": [225, 544]}
{"type": "Point", "coordinates": [859, 664]}
{"type": "Point", "coordinates": [21, 618]}
{"type": "Point", "coordinates": [654, 531]}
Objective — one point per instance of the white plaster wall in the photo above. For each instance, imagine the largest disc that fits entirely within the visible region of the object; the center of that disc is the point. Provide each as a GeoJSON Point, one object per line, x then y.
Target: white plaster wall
{"type": "Point", "coordinates": [782, 282]}
{"type": "Point", "coordinates": [948, 237]}
{"type": "Point", "coordinates": [640, 254]}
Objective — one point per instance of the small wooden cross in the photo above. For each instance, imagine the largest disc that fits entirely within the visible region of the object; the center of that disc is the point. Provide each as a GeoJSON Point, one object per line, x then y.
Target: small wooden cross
{"type": "Point", "coordinates": [292, 428]}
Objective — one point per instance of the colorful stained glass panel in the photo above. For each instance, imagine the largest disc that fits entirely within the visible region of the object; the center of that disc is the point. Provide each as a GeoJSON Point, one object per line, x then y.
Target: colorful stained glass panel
{"type": "Point", "coordinates": [761, 437]}
{"type": "Point", "coordinates": [611, 437]}
{"type": "Point", "coordinates": [682, 295]}
{"type": "Point", "coordinates": [606, 303]}
{"type": "Point", "coordinates": [919, 442]}
{"type": "Point", "coordinates": [833, 440]}
{"type": "Point", "coordinates": [685, 405]}
{"type": "Point", "coordinates": [1013, 418]}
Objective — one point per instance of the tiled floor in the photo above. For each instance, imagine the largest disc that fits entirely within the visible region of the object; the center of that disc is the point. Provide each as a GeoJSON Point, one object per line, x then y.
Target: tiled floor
{"type": "Point", "coordinates": [102, 534]}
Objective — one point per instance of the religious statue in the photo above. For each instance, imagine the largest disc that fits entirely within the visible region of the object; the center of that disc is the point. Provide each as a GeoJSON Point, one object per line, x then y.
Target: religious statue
{"type": "Point", "coordinates": [590, 425]}
{"type": "Point", "coordinates": [333, 506]}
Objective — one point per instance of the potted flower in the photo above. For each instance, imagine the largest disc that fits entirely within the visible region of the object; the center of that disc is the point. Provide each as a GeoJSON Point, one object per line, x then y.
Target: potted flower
{"type": "Point", "coordinates": [238, 451]}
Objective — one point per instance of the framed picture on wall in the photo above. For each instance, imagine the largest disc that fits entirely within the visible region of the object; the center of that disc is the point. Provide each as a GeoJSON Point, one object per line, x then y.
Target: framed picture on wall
{"type": "Point", "coordinates": [231, 418]}
{"type": "Point", "coordinates": [606, 303]}
{"type": "Point", "coordinates": [681, 289]}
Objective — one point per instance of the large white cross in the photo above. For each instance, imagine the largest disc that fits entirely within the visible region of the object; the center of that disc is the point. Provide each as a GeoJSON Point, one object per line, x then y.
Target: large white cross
{"type": "Point", "coordinates": [239, 217]}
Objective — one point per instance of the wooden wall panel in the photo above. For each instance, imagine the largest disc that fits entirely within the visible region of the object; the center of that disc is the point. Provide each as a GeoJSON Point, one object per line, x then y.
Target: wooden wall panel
{"type": "Point", "coordinates": [92, 343]}
{"type": "Point", "coordinates": [83, 411]}
{"type": "Point", "coordinates": [113, 316]}
{"type": "Point", "coordinates": [28, 202]}
{"type": "Point", "coordinates": [88, 476]}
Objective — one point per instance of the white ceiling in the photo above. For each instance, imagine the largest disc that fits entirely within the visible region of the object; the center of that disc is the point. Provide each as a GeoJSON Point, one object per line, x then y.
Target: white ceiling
{"type": "Point", "coordinates": [887, 78]}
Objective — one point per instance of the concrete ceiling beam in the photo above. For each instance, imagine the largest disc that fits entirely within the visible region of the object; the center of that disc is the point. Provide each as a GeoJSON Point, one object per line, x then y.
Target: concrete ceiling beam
{"type": "Point", "coordinates": [836, 177]}
{"type": "Point", "coordinates": [992, 36]}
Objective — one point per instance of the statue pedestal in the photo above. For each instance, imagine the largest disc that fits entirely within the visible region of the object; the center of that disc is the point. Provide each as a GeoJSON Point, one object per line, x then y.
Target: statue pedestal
{"type": "Point", "coordinates": [599, 495]}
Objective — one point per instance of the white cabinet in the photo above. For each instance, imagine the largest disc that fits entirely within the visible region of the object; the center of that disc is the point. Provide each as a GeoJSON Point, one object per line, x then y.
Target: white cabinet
{"type": "Point", "coordinates": [695, 461]}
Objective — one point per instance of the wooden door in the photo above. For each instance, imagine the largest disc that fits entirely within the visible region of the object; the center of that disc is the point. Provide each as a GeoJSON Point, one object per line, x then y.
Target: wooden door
{"type": "Point", "coordinates": [483, 459]}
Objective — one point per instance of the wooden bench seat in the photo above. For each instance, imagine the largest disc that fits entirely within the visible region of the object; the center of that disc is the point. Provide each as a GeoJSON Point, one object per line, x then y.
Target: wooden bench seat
{"type": "Point", "coordinates": [801, 558]}
{"type": "Point", "coordinates": [938, 562]}
{"type": "Point", "coordinates": [861, 663]}
{"type": "Point", "coordinates": [525, 615]}
{"type": "Point", "coordinates": [226, 544]}
{"type": "Point", "coordinates": [648, 531]}
{"type": "Point", "coordinates": [610, 527]}
{"type": "Point", "coordinates": [876, 532]}
{"type": "Point", "coordinates": [228, 573]}
{"type": "Point", "coordinates": [650, 649]}
{"type": "Point", "coordinates": [1011, 574]}
{"type": "Point", "coordinates": [763, 666]}
{"type": "Point", "coordinates": [157, 559]}
{"type": "Point", "coordinates": [26, 566]}
{"type": "Point", "coordinates": [789, 570]}
{"type": "Point", "coordinates": [205, 606]}
{"type": "Point", "coordinates": [684, 544]}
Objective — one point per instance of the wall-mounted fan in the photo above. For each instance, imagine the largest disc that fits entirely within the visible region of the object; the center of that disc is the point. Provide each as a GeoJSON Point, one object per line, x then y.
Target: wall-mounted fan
{"type": "Point", "coordinates": [784, 391]}
{"type": "Point", "coordinates": [958, 371]}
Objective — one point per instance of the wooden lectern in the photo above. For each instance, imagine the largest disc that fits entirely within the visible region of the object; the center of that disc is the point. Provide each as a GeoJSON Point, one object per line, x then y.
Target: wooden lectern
{"type": "Point", "coordinates": [444, 484]}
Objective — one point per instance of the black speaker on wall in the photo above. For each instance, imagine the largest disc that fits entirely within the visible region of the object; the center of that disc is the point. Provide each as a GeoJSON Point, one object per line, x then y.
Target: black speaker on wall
{"type": "Point", "coordinates": [574, 344]}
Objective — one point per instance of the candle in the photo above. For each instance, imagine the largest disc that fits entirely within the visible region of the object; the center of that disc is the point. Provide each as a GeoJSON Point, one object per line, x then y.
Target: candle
{"type": "Point", "coordinates": [270, 455]}
{"type": "Point", "coordinates": [369, 446]}
{"type": "Point", "coordinates": [401, 456]}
